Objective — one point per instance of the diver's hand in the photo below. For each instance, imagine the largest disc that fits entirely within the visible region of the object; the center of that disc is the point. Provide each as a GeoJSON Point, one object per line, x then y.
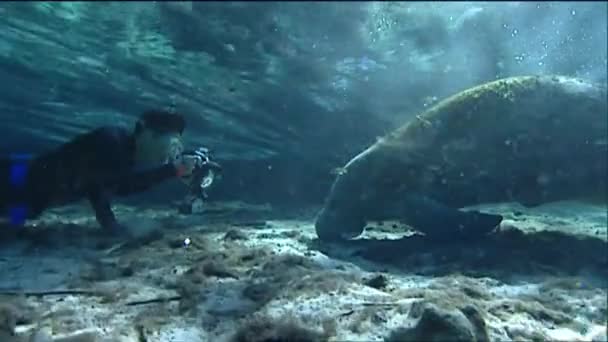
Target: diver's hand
{"type": "Point", "coordinates": [207, 164]}
{"type": "Point", "coordinates": [203, 152]}
{"type": "Point", "coordinates": [187, 163]}
{"type": "Point", "coordinates": [214, 166]}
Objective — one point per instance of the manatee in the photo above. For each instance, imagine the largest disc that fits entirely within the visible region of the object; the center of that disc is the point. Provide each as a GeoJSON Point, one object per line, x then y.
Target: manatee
{"type": "Point", "coordinates": [526, 139]}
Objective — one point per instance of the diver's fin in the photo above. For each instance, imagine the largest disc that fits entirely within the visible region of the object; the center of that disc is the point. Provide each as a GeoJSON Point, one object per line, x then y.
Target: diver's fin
{"type": "Point", "coordinates": [437, 221]}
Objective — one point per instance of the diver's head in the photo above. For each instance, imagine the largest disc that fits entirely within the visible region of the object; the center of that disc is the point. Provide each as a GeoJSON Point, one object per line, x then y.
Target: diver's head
{"type": "Point", "coordinates": [158, 137]}
{"type": "Point", "coordinates": [352, 198]}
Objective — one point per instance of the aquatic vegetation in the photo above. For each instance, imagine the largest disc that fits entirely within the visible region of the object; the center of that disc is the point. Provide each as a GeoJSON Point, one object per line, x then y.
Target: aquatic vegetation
{"type": "Point", "coordinates": [378, 282]}
{"type": "Point", "coordinates": [8, 319]}
{"type": "Point", "coordinates": [436, 324]}
{"type": "Point", "coordinates": [262, 329]}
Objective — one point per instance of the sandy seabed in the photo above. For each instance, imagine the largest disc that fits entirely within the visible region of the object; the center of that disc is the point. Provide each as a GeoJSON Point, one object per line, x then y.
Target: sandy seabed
{"type": "Point", "coordinates": [243, 272]}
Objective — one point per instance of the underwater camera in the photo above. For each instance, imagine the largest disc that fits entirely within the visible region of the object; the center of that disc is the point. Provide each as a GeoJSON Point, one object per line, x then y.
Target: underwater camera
{"type": "Point", "coordinates": [200, 181]}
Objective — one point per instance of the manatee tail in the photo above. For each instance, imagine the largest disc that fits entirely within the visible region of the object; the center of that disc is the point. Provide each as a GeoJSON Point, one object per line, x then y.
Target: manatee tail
{"type": "Point", "coordinates": [439, 222]}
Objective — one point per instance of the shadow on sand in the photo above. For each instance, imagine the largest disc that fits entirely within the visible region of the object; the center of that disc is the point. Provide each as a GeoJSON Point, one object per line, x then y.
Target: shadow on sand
{"type": "Point", "coordinates": [504, 255]}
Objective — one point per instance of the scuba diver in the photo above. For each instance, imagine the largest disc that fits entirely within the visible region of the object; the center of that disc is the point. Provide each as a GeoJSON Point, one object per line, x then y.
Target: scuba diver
{"type": "Point", "coordinates": [107, 161]}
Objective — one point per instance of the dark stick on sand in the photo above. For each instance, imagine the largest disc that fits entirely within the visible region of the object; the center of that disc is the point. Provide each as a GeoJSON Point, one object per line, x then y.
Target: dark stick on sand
{"type": "Point", "coordinates": [51, 293]}
{"type": "Point", "coordinates": [85, 293]}
{"type": "Point", "coordinates": [154, 300]}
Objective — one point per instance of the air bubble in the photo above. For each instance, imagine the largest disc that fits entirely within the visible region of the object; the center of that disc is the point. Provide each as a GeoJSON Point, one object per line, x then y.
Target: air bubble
{"type": "Point", "coordinates": [573, 12]}
{"type": "Point", "coordinates": [544, 44]}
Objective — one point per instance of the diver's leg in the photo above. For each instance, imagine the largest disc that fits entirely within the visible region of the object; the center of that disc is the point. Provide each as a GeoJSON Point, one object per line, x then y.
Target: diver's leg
{"type": "Point", "coordinates": [437, 221]}
{"type": "Point", "coordinates": [5, 186]}
{"type": "Point", "coordinates": [16, 204]}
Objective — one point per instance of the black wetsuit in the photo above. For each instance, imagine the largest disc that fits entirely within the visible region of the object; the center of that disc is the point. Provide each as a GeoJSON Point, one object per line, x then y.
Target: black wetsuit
{"type": "Point", "coordinates": [92, 166]}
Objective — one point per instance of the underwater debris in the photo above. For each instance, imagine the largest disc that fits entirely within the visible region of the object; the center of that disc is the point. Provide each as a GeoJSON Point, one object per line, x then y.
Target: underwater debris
{"type": "Point", "coordinates": [86, 336]}
{"type": "Point", "coordinates": [189, 286]}
{"type": "Point", "coordinates": [478, 322]}
{"type": "Point", "coordinates": [518, 333]}
{"type": "Point", "coordinates": [286, 262]}
{"type": "Point", "coordinates": [13, 315]}
{"type": "Point", "coordinates": [104, 271]}
{"type": "Point", "coordinates": [319, 282]}
{"type": "Point", "coordinates": [24, 312]}
{"type": "Point", "coordinates": [210, 268]}
{"type": "Point", "coordinates": [235, 234]}
{"type": "Point", "coordinates": [154, 301]}
{"type": "Point", "coordinates": [503, 309]}
{"type": "Point", "coordinates": [291, 234]}
{"type": "Point", "coordinates": [438, 324]}
{"type": "Point", "coordinates": [445, 293]}
{"type": "Point", "coordinates": [253, 256]}
{"type": "Point", "coordinates": [54, 293]}
{"type": "Point", "coordinates": [150, 320]}
{"type": "Point", "coordinates": [189, 292]}
{"type": "Point", "coordinates": [263, 329]}
{"type": "Point", "coordinates": [378, 282]}
{"type": "Point", "coordinates": [8, 319]}
{"type": "Point", "coordinates": [281, 269]}
{"type": "Point", "coordinates": [371, 315]}
{"type": "Point", "coordinates": [261, 293]}
{"type": "Point", "coordinates": [219, 270]}
{"type": "Point", "coordinates": [290, 275]}
{"type": "Point", "coordinates": [558, 300]}
{"type": "Point", "coordinates": [463, 288]}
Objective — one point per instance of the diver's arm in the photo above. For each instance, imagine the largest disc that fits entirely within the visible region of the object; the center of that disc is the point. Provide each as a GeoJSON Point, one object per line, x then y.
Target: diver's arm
{"type": "Point", "coordinates": [139, 181]}
{"type": "Point", "coordinates": [101, 205]}
{"type": "Point", "coordinates": [142, 180]}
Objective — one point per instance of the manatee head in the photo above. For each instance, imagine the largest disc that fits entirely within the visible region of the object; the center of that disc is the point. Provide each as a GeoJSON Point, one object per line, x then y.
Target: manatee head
{"type": "Point", "coordinates": [336, 222]}
{"type": "Point", "coordinates": [350, 201]}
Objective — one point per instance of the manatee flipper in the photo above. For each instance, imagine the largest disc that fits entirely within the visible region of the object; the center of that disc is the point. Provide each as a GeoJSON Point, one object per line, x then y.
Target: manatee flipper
{"type": "Point", "coordinates": [440, 222]}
